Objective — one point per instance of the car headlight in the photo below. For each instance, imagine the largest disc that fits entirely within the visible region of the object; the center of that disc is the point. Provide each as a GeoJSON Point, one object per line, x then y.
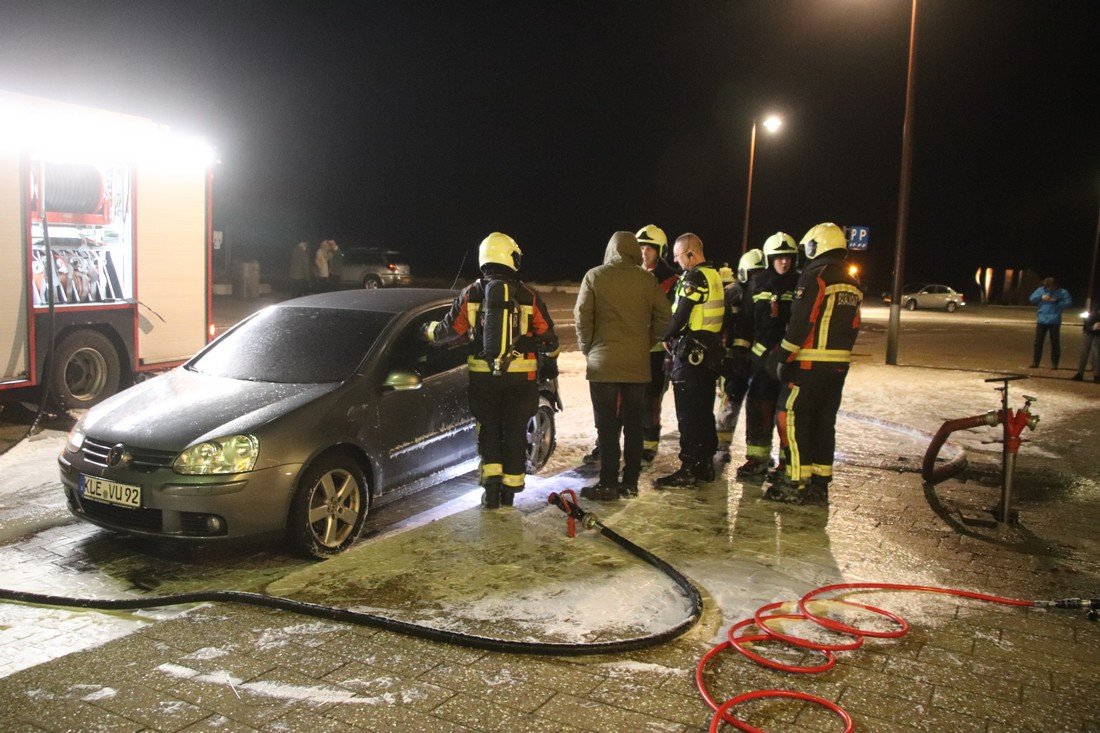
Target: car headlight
{"type": "Point", "coordinates": [76, 437]}
{"type": "Point", "coordinates": [235, 454]}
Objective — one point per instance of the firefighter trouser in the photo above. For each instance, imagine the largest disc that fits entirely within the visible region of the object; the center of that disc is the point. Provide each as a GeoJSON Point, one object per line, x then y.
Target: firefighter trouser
{"type": "Point", "coordinates": [618, 408]}
{"type": "Point", "coordinates": [694, 393]}
{"type": "Point", "coordinates": [502, 406]}
{"type": "Point", "coordinates": [807, 416]}
{"type": "Point", "coordinates": [654, 394]}
{"type": "Point", "coordinates": [760, 413]}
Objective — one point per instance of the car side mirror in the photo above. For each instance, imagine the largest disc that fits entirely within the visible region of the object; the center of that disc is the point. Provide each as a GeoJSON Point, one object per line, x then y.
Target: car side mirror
{"type": "Point", "coordinates": [400, 380]}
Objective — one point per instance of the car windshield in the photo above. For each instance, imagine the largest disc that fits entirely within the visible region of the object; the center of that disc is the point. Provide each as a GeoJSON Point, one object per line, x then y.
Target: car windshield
{"type": "Point", "coordinates": [294, 345]}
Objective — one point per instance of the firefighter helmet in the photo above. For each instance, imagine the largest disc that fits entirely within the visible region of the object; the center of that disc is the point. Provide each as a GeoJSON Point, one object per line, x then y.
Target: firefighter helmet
{"type": "Point", "coordinates": [499, 249]}
{"type": "Point", "coordinates": [778, 245]}
{"type": "Point", "coordinates": [725, 273]}
{"type": "Point", "coordinates": [824, 238]}
{"type": "Point", "coordinates": [751, 260]}
{"type": "Point", "coordinates": [652, 235]}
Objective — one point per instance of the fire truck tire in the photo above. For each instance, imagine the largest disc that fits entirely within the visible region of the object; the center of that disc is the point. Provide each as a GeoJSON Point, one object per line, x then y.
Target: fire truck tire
{"type": "Point", "coordinates": [85, 370]}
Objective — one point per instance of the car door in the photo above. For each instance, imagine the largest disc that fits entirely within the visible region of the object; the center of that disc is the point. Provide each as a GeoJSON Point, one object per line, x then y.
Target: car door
{"type": "Point", "coordinates": [428, 428]}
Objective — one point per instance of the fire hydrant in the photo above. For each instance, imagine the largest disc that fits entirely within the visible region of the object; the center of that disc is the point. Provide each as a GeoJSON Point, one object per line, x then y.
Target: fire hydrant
{"type": "Point", "coordinates": [1013, 421]}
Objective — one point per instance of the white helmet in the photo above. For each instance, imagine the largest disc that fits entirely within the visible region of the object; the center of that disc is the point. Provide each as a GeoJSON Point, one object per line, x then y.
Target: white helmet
{"type": "Point", "coordinates": [751, 260]}
{"type": "Point", "coordinates": [778, 245]}
{"type": "Point", "coordinates": [499, 249]}
{"type": "Point", "coordinates": [652, 235]}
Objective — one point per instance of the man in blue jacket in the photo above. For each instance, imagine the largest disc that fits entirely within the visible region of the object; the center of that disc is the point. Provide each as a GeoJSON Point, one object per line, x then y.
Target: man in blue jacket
{"type": "Point", "coordinates": [1052, 300]}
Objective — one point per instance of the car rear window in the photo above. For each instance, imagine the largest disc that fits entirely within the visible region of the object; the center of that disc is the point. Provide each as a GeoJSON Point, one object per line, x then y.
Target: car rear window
{"type": "Point", "coordinates": [294, 345]}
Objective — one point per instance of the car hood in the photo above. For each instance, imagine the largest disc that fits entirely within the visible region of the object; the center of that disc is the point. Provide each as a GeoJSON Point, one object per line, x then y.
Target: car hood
{"type": "Point", "coordinates": [184, 407]}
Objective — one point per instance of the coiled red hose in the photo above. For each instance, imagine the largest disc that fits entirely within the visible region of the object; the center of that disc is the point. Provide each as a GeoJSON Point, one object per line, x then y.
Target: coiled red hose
{"type": "Point", "coordinates": [761, 618]}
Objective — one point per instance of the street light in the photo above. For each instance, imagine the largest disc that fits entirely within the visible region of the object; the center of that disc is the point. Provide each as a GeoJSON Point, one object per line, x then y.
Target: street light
{"type": "Point", "coordinates": [771, 124]}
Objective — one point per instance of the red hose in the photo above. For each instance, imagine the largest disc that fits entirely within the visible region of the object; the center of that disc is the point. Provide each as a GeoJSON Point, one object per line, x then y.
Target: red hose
{"type": "Point", "coordinates": [932, 473]}
{"type": "Point", "coordinates": [761, 618]}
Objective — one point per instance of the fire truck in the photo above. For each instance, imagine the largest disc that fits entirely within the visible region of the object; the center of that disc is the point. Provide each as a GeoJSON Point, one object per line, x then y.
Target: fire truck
{"type": "Point", "coordinates": [105, 249]}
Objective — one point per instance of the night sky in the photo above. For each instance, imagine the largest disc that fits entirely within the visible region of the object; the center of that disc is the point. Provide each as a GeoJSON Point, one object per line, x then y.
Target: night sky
{"type": "Point", "coordinates": [424, 126]}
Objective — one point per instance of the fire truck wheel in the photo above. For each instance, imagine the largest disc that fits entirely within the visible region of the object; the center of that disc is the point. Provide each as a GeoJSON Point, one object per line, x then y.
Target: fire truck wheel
{"type": "Point", "coordinates": [85, 370]}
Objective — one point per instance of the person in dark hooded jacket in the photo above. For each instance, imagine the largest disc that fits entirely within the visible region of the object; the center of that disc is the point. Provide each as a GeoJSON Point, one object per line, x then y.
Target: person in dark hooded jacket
{"type": "Point", "coordinates": [620, 314]}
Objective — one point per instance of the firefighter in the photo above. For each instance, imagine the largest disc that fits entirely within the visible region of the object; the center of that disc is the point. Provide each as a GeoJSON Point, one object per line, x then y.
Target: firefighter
{"type": "Point", "coordinates": [769, 303]}
{"type": "Point", "coordinates": [812, 362]}
{"type": "Point", "coordinates": [653, 242]}
{"type": "Point", "coordinates": [693, 340]}
{"type": "Point", "coordinates": [737, 341]}
{"type": "Point", "coordinates": [508, 327]}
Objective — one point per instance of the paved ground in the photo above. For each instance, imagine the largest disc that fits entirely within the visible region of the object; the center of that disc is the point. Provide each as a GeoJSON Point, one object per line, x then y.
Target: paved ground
{"type": "Point", "coordinates": [965, 666]}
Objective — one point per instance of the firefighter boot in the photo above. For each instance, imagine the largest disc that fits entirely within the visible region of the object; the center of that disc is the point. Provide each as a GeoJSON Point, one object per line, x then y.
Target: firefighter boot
{"type": "Point", "coordinates": [592, 458]}
{"type": "Point", "coordinates": [491, 498]}
{"type": "Point", "coordinates": [818, 491]}
{"type": "Point", "coordinates": [786, 491]}
{"type": "Point", "coordinates": [704, 472]}
{"type": "Point", "coordinates": [752, 468]}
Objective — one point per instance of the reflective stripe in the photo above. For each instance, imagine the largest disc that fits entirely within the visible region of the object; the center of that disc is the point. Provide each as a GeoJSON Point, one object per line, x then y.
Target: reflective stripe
{"type": "Point", "coordinates": [513, 480]}
{"type": "Point", "coordinates": [819, 469]}
{"type": "Point", "coordinates": [488, 470]}
{"type": "Point", "coordinates": [759, 452]}
{"type": "Point", "coordinates": [759, 348]}
{"type": "Point", "coordinates": [831, 292]}
{"type": "Point", "coordinates": [794, 468]}
{"type": "Point", "coordinates": [708, 314]}
{"type": "Point", "coordinates": [516, 365]}
{"type": "Point", "coordinates": [843, 288]}
{"type": "Point", "coordinates": [787, 296]}
{"type": "Point", "coordinates": [506, 331]}
{"type": "Point", "coordinates": [788, 346]}
{"type": "Point", "coordinates": [742, 342]}
{"type": "Point", "coordinates": [834, 355]}
{"type": "Point", "coordinates": [651, 444]}
{"type": "Point", "coordinates": [764, 295]}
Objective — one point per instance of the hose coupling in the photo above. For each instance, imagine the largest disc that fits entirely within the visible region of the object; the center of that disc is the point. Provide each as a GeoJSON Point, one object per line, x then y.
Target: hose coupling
{"type": "Point", "coordinates": [991, 418]}
{"type": "Point", "coordinates": [1033, 422]}
{"type": "Point", "coordinates": [591, 521]}
{"type": "Point", "coordinates": [1067, 603]}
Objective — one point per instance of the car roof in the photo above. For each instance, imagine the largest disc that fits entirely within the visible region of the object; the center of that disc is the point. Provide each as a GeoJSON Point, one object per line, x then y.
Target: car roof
{"type": "Point", "coordinates": [383, 300]}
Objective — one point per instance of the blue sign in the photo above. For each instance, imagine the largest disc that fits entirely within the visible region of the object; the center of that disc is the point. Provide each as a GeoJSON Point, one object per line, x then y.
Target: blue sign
{"type": "Point", "coordinates": [858, 237]}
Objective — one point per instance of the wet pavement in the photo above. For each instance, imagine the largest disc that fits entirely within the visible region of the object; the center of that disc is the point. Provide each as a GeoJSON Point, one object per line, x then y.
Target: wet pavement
{"type": "Point", "coordinates": [514, 574]}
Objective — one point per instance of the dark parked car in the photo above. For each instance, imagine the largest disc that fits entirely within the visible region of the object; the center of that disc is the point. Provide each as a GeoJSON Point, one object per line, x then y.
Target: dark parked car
{"type": "Point", "coordinates": [929, 296]}
{"type": "Point", "coordinates": [374, 268]}
{"type": "Point", "coordinates": [297, 421]}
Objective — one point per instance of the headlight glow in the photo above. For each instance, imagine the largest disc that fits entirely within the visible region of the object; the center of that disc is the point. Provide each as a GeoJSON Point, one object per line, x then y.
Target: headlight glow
{"type": "Point", "coordinates": [76, 438]}
{"type": "Point", "coordinates": [233, 454]}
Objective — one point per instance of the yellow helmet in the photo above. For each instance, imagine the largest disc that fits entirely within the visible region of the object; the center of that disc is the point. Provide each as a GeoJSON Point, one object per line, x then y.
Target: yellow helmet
{"type": "Point", "coordinates": [751, 260]}
{"type": "Point", "coordinates": [777, 245]}
{"type": "Point", "coordinates": [725, 273]}
{"type": "Point", "coordinates": [652, 235]}
{"type": "Point", "coordinates": [824, 238]}
{"type": "Point", "coordinates": [499, 249]}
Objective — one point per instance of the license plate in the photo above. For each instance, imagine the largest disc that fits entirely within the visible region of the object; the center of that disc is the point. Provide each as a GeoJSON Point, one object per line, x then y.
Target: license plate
{"type": "Point", "coordinates": [110, 492]}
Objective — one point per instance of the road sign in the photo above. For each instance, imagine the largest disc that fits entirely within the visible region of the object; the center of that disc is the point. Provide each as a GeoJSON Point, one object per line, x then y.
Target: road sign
{"type": "Point", "coordinates": [858, 237]}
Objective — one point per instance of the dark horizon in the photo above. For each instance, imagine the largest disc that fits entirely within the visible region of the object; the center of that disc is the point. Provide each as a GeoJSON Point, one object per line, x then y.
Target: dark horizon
{"type": "Point", "coordinates": [423, 126]}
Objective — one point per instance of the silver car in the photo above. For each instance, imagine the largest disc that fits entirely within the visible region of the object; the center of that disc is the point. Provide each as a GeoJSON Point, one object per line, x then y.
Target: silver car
{"type": "Point", "coordinates": [932, 297]}
{"type": "Point", "coordinates": [374, 268]}
{"type": "Point", "coordinates": [295, 422]}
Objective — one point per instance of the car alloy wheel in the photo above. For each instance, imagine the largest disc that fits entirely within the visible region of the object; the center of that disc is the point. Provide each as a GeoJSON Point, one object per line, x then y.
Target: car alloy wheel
{"type": "Point", "coordinates": [541, 439]}
{"type": "Point", "coordinates": [911, 304]}
{"type": "Point", "coordinates": [951, 306]}
{"type": "Point", "coordinates": [371, 282]}
{"type": "Point", "coordinates": [329, 507]}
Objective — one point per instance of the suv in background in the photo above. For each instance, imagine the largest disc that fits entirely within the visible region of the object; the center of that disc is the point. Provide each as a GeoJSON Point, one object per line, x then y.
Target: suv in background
{"type": "Point", "coordinates": [374, 268]}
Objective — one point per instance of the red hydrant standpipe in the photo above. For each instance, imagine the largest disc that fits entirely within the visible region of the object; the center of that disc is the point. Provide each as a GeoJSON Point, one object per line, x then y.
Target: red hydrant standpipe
{"type": "Point", "coordinates": [1014, 422]}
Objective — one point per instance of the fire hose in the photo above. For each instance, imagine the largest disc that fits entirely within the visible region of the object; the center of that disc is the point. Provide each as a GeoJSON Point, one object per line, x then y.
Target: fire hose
{"type": "Point", "coordinates": [570, 506]}
{"type": "Point", "coordinates": [766, 633]}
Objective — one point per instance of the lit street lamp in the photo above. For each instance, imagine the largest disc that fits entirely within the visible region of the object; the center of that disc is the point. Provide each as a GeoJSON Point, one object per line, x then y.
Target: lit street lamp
{"type": "Point", "coordinates": [771, 124]}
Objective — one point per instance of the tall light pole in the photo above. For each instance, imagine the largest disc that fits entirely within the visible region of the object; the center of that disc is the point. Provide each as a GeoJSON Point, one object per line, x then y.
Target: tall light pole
{"type": "Point", "coordinates": [903, 198]}
{"type": "Point", "coordinates": [771, 124]}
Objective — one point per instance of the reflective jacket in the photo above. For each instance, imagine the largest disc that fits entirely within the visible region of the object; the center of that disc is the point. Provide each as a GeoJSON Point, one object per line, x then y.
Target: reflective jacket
{"type": "Point", "coordinates": [771, 295]}
{"type": "Point", "coordinates": [698, 306]}
{"type": "Point", "coordinates": [825, 316]}
{"type": "Point", "coordinates": [506, 323]}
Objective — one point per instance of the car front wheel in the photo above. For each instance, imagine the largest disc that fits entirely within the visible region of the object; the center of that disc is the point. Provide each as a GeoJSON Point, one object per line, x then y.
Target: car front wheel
{"type": "Point", "coordinates": [911, 305]}
{"type": "Point", "coordinates": [951, 306]}
{"type": "Point", "coordinates": [372, 282]}
{"type": "Point", "coordinates": [329, 508]}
